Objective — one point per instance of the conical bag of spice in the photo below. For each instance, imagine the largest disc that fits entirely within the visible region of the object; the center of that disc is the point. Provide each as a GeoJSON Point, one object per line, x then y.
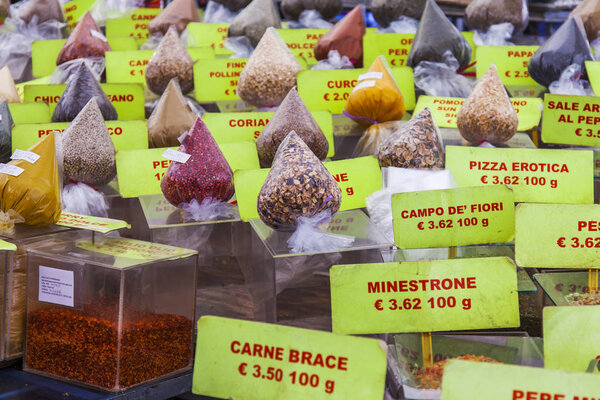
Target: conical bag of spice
{"type": "Point", "coordinates": [567, 46]}
{"type": "Point", "coordinates": [170, 119]}
{"type": "Point", "coordinates": [81, 88]}
{"type": "Point", "coordinates": [254, 20]}
{"type": "Point", "coordinates": [270, 72]}
{"type": "Point", "coordinates": [33, 194]}
{"type": "Point", "coordinates": [233, 5]}
{"type": "Point", "coordinates": [89, 153]}
{"type": "Point", "coordinates": [45, 10]}
{"type": "Point", "coordinates": [170, 60]}
{"type": "Point", "coordinates": [178, 13]}
{"type": "Point", "coordinates": [589, 12]}
{"type": "Point", "coordinates": [377, 97]}
{"type": "Point", "coordinates": [435, 36]}
{"type": "Point", "coordinates": [487, 114]}
{"type": "Point", "coordinates": [481, 14]}
{"type": "Point", "coordinates": [346, 37]}
{"type": "Point", "coordinates": [387, 11]}
{"type": "Point", "coordinates": [327, 8]}
{"type": "Point", "coordinates": [6, 125]}
{"type": "Point", "coordinates": [205, 175]}
{"type": "Point", "coordinates": [292, 115]}
{"type": "Point", "coordinates": [86, 40]}
{"type": "Point", "coordinates": [8, 90]}
{"type": "Point", "coordinates": [416, 144]}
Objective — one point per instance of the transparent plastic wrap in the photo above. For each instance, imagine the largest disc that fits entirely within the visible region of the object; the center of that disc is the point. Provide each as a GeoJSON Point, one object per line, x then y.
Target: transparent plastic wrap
{"type": "Point", "coordinates": [298, 185]}
{"type": "Point", "coordinates": [416, 144]}
{"type": "Point", "coordinates": [346, 37]}
{"type": "Point", "coordinates": [589, 12]}
{"type": "Point", "coordinates": [86, 40]}
{"type": "Point", "coordinates": [6, 125]}
{"type": "Point", "coordinates": [108, 9]}
{"type": "Point", "coordinates": [374, 136]}
{"type": "Point", "coordinates": [170, 119]}
{"type": "Point", "coordinates": [178, 13]}
{"type": "Point", "coordinates": [233, 5]}
{"type": "Point", "coordinates": [487, 114]}
{"type": "Point", "coordinates": [401, 25]}
{"type": "Point", "coordinates": [310, 19]}
{"type": "Point", "coordinates": [567, 46]}
{"type": "Point", "coordinates": [270, 72]}
{"type": "Point", "coordinates": [206, 174]}
{"type": "Point", "coordinates": [376, 97]}
{"type": "Point", "coordinates": [292, 115]}
{"type": "Point", "coordinates": [240, 46]}
{"type": "Point", "coordinates": [387, 11]}
{"type": "Point", "coordinates": [170, 60]}
{"type": "Point", "coordinates": [334, 61]}
{"type": "Point", "coordinates": [8, 90]}
{"type": "Point", "coordinates": [82, 199]}
{"type": "Point", "coordinates": [435, 35]}
{"type": "Point", "coordinates": [570, 83]}
{"type": "Point", "coordinates": [310, 236]}
{"type": "Point", "coordinates": [496, 35]}
{"type": "Point", "coordinates": [482, 14]}
{"type": "Point", "coordinates": [81, 88]}
{"type": "Point", "coordinates": [216, 13]}
{"type": "Point", "coordinates": [65, 71]}
{"type": "Point", "coordinates": [89, 153]}
{"type": "Point", "coordinates": [441, 79]}
{"type": "Point", "coordinates": [327, 8]}
{"type": "Point", "coordinates": [254, 20]}
{"type": "Point", "coordinates": [44, 10]}
{"type": "Point", "coordinates": [34, 194]}
{"type": "Point", "coordinates": [209, 209]}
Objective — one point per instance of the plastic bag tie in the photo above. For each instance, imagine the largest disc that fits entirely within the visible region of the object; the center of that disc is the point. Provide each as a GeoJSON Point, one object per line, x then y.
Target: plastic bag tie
{"type": "Point", "coordinates": [308, 238]}
{"type": "Point", "coordinates": [79, 198]}
{"type": "Point", "coordinates": [8, 220]}
{"type": "Point", "coordinates": [209, 210]}
{"type": "Point", "coordinates": [365, 119]}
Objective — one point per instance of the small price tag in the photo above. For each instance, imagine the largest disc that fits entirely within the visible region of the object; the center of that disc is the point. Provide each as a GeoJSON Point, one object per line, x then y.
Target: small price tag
{"type": "Point", "coordinates": [212, 35]}
{"type": "Point", "coordinates": [571, 120]}
{"type": "Point", "coordinates": [6, 246]}
{"type": "Point", "coordinates": [75, 9]}
{"type": "Point", "coordinates": [424, 296]}
{"type": "Point", "coordinates": [238, 359]}
{"type": "Point", "coordinates": [511, 63]}
{"type": "Point", "coordinates": [135, 25]}
{"type": "Point", "coordinates": [468, 379]}
{"type": "Point", "coordinates": [330, 89]}
{"type": "Point", "coordinates": [25, 155]}
{"type": "Point", "coordinates": [98, 224]}
{"type": "Point", "coordinates": [536, 175]}
{"type": "Point", "coordinates": [569, 239]}
{"type": "Point", "coordinates": [175, 155]}
{"type": "Point", "coordinates": [453, 217]}
{"type": "Point", "coordinates": [302, 42]}
{"type": "Point", "coordinates": [218, 78]}
{"type": "Point", "coordinates": [12, 170]}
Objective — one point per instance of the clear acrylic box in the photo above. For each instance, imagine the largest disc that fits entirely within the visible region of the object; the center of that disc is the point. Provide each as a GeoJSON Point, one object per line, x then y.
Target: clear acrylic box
{"type": "Point", "coordinates": [13, 287]}
{"type": "Point", "coordinates": [108, 312]}
{"type": "Point", "coordinates": [302, 296]}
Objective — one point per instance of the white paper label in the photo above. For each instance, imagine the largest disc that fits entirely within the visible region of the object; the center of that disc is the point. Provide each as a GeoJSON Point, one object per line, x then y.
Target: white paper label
{"type": "Point", "coordinates": [98, 35]}
{"type": "Point", "coordinates": [365, 84]}
{"type": "Point", "coordinates": [175, 155]}
{"type": "Point", "coordinates": [10, 169]}
{"type": "Point", "coordinates": [56, 286]}
{"type": "Point", "coordinates": [370, 75]}
{"type": "Point", "coordinates": [25, 155]}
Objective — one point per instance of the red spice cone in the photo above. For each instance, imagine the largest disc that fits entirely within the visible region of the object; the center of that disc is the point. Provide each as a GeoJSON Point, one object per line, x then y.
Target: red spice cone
{"type": "Point", "coordinates": [346, 37]}
{"type": "Point", "coordinates": [86, 40]}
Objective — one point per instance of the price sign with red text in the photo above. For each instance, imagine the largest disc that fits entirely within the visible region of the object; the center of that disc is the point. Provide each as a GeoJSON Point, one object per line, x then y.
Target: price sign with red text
{"type": "Point", "coordinates": [478, 380]}
{"type": "Point", "coordinates": [134, 25]}
{"type": "Point", "coordinates": [536, 175]}
{"type": "Point", "coordinates": [213, 35]}
{"type": "Point", "coordinates": [424, 296]}
{"type": "Point", "coordinates": [98, 224]}
{"type": "Point", "coordinates": [217, 80]}
{"type": "Point", "coordinates": [571, 120]}
{"type": "Point", "coordinates": [240, 359]}
{"type": "Point", "coordinates": [301, 42]}
{"type": "Point", "coordinates": [453, 217]}
{"type": "Point", "coordinates": [75, 9]}
{"type": "Point", "coordinates": [511, 63]}
{"type": "Point", "coordinates": [557, 235]}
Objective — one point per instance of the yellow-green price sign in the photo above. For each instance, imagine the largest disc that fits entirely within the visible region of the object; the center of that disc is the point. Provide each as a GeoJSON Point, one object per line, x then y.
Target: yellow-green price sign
{"type": "Point", "coordinates": [511, 63]}
{"type": "Point", "coordinates": [571, 120]}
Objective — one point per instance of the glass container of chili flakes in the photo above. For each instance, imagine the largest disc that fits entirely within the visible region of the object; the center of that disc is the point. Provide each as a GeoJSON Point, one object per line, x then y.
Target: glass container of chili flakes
{"type": "Point", "coordinates": [109, 312]}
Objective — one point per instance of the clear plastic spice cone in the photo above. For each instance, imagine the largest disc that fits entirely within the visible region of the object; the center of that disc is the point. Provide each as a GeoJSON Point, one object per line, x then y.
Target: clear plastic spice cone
{"type": "Point", "coordinates": [170, 119]}
{"type": "Point", "coordinates": [254, 20]}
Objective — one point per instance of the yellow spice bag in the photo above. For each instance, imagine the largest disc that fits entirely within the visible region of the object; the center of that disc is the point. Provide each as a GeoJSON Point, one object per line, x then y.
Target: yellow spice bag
{"type": "Point", "coordinates": [377, 97]}
{"type": "Point", "coordinates": [34, 194]}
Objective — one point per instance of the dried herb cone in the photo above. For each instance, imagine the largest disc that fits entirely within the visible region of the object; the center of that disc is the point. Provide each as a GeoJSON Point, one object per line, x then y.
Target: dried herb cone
{"type": "Point", "coordinates": [178, 13]}
{"type": "Point", "coordinates": [487, 114]}
{"type": "Point", "coordinates": [206, 174]}
{"type": "Point", "coordinates": [481, 14]}
{"type": "Point", "coordinates": [270, 72]}
{"type": "Point", "coordinates": [416, 144]}
{"type": "Point", "coordinates": [292, 115]}
{"type": "Point", "coordinates": [254, 20]}
{"type": "Point", "coordinates": [85, 41]}
{"type": "Point", "coordinates": [170, 60]}
{"type": "Point", "coordinates": [89, 153]}
{"type": "Point", "coordinates": [346, 37]}
{"type": "Point", "coordinates": [298, 185]}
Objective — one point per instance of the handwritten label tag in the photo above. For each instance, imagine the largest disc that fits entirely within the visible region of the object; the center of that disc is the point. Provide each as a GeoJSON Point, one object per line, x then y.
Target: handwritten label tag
{"type": "Point", "coordinates": [424, 296]}
{"type": "Point", "coordinates": [135, 25]}
{"type": "Point", "coordinates": [536, 175]}
{"type": "Point", "coordinates": [302, 42]}
{"type": "Point", "coordinates": [6, 246]}
{"type": "Point", "coordinates": [98, 224]}
{"type": "Point", "coordinates": [175, 155]}
{"type": "Point", "coordinates": [511, 63]}
{"type": "Point", "coordinates": [445, 110]}
{"type": "Point", "coordinates": [217, 80]}
{"type": "Point", "coordinates": [9, 169]}
{"type": "Point", "coordinates": [241, 126]}
{"type": "Point", "coordinates": [453, 217]}
{"type": "Point", "coordinates": [330, 89]}
{"type": "Point", "coordinates": [468, 379]}
{"type": "Point", "coordinates": [571, 120]}
{"type": "Point", "coordinates": [557, 235]}
{"type": "Point", "coordinates": [25, 155]}
{"type": "Point", "coordinates": [213, 35]}
{"type": "Point", "coordinates": [293, 363]}
{"type": "Point", "coordinates": [357, 178]}
{"type": "Point", "coordinates": [126, 135]}
{"type": "Point", "coordinates": [75, 9]}
{"type": "Point", "coordinates": [127, 98]}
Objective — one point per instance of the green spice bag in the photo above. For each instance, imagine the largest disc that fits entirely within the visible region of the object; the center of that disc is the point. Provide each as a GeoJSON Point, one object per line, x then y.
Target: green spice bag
{"type": "Point", "coordinates": [254, 20]}
{"type": "Point", "coordinates": [6, 125]}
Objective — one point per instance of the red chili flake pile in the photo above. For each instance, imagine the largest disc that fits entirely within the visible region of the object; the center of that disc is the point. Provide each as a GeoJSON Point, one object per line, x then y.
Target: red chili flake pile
{"type": "Point", "coordinates": [206, 174]}
{"type": "Point", "coordinates": [85, 41]}
{"type": "Point", "coordinates": [431, 377]}
{"type": "Point", "coordinates": [82, 345]}
{"type": "Point", "coordinates": [591, 298]}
